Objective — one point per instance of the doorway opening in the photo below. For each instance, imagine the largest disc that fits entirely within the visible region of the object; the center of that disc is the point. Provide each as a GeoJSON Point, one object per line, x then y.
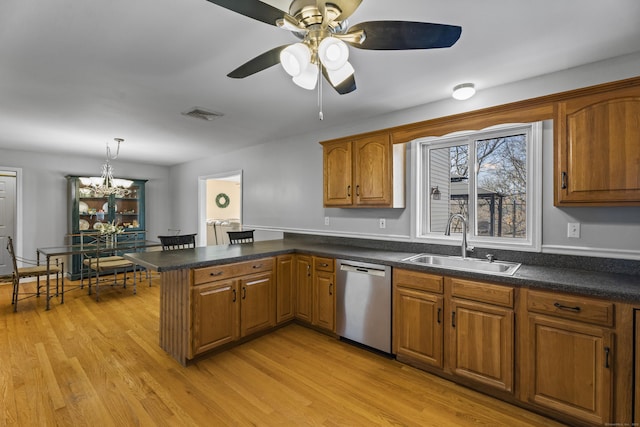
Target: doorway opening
{"type": "Point", "coordinates": [220, 207]}
{"type": "Point", "coordinates": [9, 218]}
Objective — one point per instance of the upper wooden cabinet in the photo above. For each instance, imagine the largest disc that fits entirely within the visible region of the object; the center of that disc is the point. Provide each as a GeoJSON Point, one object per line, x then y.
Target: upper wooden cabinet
{"type": "Point", "coordinates": [364, 172]}
{"type": "Point", "coordinates": [597, 153]}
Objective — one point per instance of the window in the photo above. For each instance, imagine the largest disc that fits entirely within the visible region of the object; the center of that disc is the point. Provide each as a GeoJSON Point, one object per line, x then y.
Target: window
{"type": "Point", "coordinates": [491, 177]}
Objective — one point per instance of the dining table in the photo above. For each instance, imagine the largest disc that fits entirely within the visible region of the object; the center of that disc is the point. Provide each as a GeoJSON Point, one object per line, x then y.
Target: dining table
{"type": "Point", "coordinates": [95, 245]}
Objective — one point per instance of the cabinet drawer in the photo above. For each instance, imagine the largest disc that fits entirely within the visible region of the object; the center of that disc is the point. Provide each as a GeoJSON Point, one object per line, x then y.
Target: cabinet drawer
{"type": "Point", "coordinates": [417, 280]}
{"type": "Point", "coordinates": [219, 272]}
{"type": "Point", "coordinates": [323, 264]}
{"type": "Point", "coordinates": [482, 292]}
{"type": "Point", "coordinates": [572, 307]}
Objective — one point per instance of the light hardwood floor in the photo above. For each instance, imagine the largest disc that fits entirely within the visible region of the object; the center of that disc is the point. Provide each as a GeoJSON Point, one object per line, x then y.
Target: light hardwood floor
{"type": "Point", "coordinates": [99, 364]}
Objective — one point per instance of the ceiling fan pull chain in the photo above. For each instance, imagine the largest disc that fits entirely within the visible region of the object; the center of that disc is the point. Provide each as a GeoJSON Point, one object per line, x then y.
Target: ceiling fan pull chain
{"type": "Point", "coordinates": [321, 115]}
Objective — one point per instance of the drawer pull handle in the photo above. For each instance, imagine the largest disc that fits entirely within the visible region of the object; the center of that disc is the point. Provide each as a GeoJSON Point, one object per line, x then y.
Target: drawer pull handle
{"type": "Point", "coordinates": [244, 292]}
{"type": "Point", "coordinates": [348, 191]}
{"type": "Point", "coordinates": [439, 312]}
{"type": "Point", "coordinates": [563, 184]}
{"type": "Point", "coordinates": [453, 319]}
{"type": "Point", "coordinates": [234, 295]}
{"type": "Point", "coordinates": [257, 266]}
{"type": "Point", "coordinates": [324, 264]}
{"type": "Point", "coordinates": [559, 306]}
{"type": "Point", "coordinates": [607, 350]}
{"type": "Point", "coordinates": [358, 190]}
{"type": "Point", "coordinates": [217, 273]}
{"type": "Point", "coordinates": [330, 288]}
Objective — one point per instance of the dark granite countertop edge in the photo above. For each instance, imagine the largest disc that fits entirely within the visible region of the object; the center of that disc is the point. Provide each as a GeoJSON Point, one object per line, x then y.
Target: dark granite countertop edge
{"type": "Point", "coordinates": [613, 286]}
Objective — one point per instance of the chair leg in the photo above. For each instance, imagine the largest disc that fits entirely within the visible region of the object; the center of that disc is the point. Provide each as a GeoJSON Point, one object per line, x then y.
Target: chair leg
{"type": "Point", "coordinates": [14, 297]}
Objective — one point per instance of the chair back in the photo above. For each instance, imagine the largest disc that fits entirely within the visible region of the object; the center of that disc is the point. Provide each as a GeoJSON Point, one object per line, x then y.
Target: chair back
{"type": "Point", "coordinates": [236, 237]}
{"type": "Point", "coordinates": [181, 241]}
{"type": "Point", "coordinates": [13, 254]}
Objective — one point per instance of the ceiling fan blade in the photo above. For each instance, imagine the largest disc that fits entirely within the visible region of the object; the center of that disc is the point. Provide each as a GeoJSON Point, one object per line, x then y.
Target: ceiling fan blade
{"type": "Point", "coordinates": [402, 35]}
{"type": "Point", "coordinates": [259, 63]}
{"type": "Point", "coordinates": [347, 86]}
{"type": "Point", "coordinates": [253, 9]}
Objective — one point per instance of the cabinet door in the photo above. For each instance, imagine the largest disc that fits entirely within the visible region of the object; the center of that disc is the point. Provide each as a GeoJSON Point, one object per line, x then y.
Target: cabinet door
{"type": "Point", "coordinates": [569, 366]}
{"type": "Point", "coordinates": [304, 288]}
{"type": "Point", "coordinates": [285, 288]}
{"type": "Point", "coordinates": [482, 343]}
{"type": "Point", "coordinates": [373, 170]}
{"type": "Point", "coordinates": [216, 310]}
{"type": "Point", "coordinates": [258, 303]}
{"type": "Point", "coordinates": [597, 151]}
{"type": "Point", "coordinates": [324, 313]}
{"type": "Point", "coordinates": [418, 326]}
{"type": "Point", "coordinates": [338, 190]}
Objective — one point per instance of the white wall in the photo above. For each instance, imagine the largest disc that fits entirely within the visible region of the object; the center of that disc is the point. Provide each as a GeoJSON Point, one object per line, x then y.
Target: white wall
{"type": "Point", "coordinates": [45, 194]}
{"type": "Point", "coordinates": [282, 182]}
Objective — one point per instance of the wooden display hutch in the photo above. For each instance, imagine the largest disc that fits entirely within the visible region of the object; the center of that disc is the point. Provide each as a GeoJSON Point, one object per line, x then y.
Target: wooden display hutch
{"type": "Point", "coordinates": [88, 209]}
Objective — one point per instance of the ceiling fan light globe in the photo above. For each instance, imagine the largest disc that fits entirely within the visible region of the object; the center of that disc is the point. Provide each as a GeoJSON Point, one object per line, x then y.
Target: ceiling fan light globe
{"type": "Point", "coordinates": [341, 74]}
{"type": "Point", "coordinates": [307, 79]}
{"type": "Point", "coordinates": [333, 53]}
{"type": "Point", "coordinates": [295, 59]}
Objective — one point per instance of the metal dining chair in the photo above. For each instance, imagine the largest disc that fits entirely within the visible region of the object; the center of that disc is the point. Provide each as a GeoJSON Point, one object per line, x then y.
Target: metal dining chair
{"type": "Point", "coordinates": [237, 237]}
{"type": "Point", "coordinates": [33, 269]}
{"type": "Point", "coordinates": [180, 241]}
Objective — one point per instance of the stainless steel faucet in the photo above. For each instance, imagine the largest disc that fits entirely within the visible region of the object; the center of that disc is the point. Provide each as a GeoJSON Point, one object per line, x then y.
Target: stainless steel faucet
{"type": "Point", "coordinates": [447, 232]}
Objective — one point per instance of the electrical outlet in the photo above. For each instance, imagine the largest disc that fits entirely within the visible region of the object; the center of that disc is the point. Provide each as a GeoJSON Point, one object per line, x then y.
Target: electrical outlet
{"type": "Point", "coordinates": [573, 230]}
{"type": "Point", "coordinates": [326, 220]}
{"type": "Point", "coordinates": [383, 223]}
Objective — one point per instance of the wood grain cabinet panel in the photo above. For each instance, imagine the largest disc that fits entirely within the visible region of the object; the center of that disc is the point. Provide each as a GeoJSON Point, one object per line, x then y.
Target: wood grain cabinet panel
{"type": "Point", "coordinates": [304, 288]}
{"type": "Point", "coordinates": [418, 325]}
{"type": "Point", "coordinates": [324, 294]}
{"type": "Point", "coordinates": [215, 314]}
{"type": "Point", "coordinates": [257, 303]}
{"type": "Point", "coordinates": [358, 172]}
{"type": "Point", "coordinates": [570, 368]}
{"type": "Point", "coordinates": [482, 343]}
{"type": "Point", "coordinates": [597, 149]}
{"type": "Point", "coordinates": [285, 288]}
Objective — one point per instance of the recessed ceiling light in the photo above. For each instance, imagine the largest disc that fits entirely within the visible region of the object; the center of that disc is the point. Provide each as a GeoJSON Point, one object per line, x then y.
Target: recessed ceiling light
{"type": "Point", "coordinates": [464, 91]}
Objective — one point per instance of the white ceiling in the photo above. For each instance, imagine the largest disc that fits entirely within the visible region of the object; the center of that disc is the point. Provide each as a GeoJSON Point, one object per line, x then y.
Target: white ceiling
{"type": "Point", "coordinates": [75, 74]}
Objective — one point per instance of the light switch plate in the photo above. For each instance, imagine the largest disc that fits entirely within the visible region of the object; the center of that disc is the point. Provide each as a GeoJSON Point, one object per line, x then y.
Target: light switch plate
{"type": "Point", "coordinates": [573, 230]}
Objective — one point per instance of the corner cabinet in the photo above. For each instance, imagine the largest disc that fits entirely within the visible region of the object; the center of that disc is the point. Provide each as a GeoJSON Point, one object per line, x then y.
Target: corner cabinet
{"type": "Point", "coordinates": [363, 172]}
{"type": "Point", "coordinates": [86, 210]}
{"type": "Point", "coordinates": [597, 153]}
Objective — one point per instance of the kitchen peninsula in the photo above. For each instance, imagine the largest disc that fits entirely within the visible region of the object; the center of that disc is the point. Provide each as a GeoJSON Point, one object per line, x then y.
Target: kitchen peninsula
{"type": "Point", "coordinates": [216, 296]}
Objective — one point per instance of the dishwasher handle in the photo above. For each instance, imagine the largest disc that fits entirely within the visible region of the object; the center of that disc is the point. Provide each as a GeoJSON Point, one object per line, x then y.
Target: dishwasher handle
{"type": "Point", "coordinates": [362, 270]}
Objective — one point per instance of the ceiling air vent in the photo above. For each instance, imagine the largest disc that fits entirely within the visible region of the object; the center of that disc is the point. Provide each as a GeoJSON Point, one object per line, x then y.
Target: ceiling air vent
{"type": "Point", "coordinates": [202, 114]}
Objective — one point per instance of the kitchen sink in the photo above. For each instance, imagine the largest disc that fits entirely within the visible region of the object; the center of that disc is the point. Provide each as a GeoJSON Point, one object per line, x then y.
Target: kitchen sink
{"type": "Point", "coordinates": [466, 264]}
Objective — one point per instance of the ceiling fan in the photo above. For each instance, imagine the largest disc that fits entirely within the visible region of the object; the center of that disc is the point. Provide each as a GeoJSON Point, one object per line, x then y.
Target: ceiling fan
{"type": "Point", "coordinates": [323, 30]}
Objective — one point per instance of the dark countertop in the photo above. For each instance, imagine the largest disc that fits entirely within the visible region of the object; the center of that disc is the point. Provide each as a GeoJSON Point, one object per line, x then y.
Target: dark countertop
{"type": "Point", "coordinates": [619, 287]}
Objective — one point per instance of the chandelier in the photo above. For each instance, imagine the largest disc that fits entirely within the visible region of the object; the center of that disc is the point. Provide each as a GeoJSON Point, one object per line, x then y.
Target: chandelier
{"type": "Point", "coordinates": [106, 184]}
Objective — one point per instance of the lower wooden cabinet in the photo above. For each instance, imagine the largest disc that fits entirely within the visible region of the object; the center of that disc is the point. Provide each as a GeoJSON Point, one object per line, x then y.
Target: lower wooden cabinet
{"type": "Point", "coordinates": [324, 294]}
{"type": "Point", "coordinates": [418, 317]}
{"type": "Point", "coordinates": [304, 288]}
{"type": "Point", "coordinates": [285, 284]}
{"type": "Point", "coordinates": [215, 315]}
{"type": "Point", "coordinates": [481, 332]}
{"type": "Point", "coordinates": [232, 307]}
{"type": "Point", "coordinates": [570, 357]}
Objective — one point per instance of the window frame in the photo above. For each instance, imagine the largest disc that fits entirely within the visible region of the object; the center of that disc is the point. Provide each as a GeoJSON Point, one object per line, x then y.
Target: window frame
{"type": "Point", "coordinates": [420, 149]}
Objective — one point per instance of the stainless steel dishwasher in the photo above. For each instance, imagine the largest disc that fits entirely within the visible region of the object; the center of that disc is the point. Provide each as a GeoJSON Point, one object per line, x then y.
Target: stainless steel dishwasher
{"type": "Point", "coordinates": [363, 307]}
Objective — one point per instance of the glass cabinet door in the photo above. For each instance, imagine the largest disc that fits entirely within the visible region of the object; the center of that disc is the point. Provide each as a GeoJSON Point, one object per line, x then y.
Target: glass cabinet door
{"type": "Point", "coordinates": [90, 208]}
